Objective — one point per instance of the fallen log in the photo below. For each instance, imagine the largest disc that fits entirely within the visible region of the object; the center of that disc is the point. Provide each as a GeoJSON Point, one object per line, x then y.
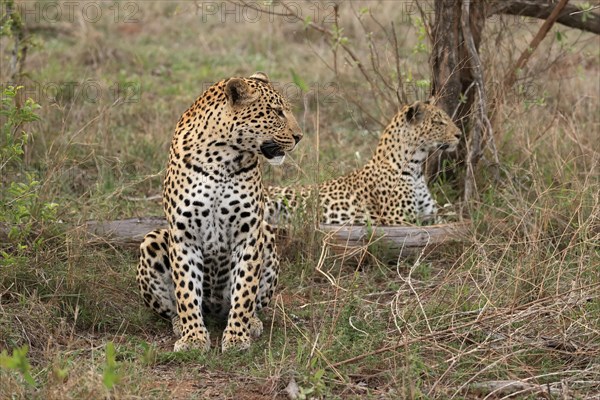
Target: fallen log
{"type": "Point", "coordinates": [124, 231]}
{"type": "Point", "coordinates": [401, 240]}
{"type": "Point", "coordinates": [341, 238]}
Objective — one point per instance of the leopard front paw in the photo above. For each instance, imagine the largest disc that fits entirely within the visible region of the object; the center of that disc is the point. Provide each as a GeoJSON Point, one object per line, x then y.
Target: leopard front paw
{"type": "Point", "coordinates": [235, 341]}
{"type": "Point", "coordinates": [255, 326]}
{"type": "Point", "coordinates": [177, 326]}
{"type": "Point", "coordinates": [193, 341]}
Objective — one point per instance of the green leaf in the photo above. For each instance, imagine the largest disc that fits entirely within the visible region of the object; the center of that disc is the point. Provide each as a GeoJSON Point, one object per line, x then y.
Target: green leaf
{"type": "Point", "coordinates": [319, 374]}
{"type": "Point", "coordinates": [423, 83]}
{"type": "Point", "coordinates": [19, 362]}
{"type": "Point", "coordinates": [298, 81]}
{"type": "Point", "coordinates": [307, 21]}
{"type": "Point", "coordinates": [109, 376]}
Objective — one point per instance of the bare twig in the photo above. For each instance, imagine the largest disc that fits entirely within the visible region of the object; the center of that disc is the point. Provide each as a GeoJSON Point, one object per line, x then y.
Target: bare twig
{"type": "Point", "coordinates": [509, 80]}
{"type": "Point", "coordinates": [396, 55]}
{"type": "Point", "coordinates": [374, 57]}
{"type": "Point", "coordinates": [334, 48]}
{"type": "Point", "coordinates": [336, 41]}
{"type": "Point", "coordinates": [426, 23]}
{"type": "Point", "coordinates": [400, 89]}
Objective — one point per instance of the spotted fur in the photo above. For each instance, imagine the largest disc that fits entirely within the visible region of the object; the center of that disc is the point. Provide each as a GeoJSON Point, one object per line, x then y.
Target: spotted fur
{"type": "Point", "coordinates": [390, 189]}
{"type": "Point", "coordinates": [218, 254]}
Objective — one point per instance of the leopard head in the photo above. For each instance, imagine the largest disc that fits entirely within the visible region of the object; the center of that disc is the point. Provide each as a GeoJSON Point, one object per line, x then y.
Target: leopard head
{"type": "Point", "coordinates": [262, 118]}
{"type": "Point", "coordinates": [414, 131]}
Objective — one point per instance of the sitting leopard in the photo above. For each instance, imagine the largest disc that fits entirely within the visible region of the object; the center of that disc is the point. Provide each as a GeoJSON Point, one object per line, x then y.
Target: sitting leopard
{"type": "Point", "coordinates": [390, 189]}
{"type": "Point", "coordinates": [218, 254]}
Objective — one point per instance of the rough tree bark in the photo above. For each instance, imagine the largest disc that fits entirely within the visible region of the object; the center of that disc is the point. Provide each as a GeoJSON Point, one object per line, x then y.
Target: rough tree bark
{"type": "Point", "coordinates": [450, 57]}
{"type": "Point", "coordinates": [457, 78]}
{"type": "Point", "coordinates": [452, 75]}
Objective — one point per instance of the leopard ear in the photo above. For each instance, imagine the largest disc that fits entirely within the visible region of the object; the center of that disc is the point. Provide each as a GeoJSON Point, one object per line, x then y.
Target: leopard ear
{"type": "Point", "coordinates": [239, 93]}
{"type": "Point", "coordinates": [261, 76]}
{"type": "Point", "coordinates": [415, 112]}
{"type": "Point", "coordinates": [432, 100]}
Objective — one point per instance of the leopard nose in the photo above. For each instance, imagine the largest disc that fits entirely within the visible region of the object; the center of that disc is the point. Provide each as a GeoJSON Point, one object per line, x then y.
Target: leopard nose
{"type": "Point", "coordinates": [297, 138]}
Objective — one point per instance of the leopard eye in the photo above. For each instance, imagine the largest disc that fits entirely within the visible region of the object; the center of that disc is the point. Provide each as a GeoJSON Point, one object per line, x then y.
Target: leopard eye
{"type": "Point", "coordinates": [279, 111]}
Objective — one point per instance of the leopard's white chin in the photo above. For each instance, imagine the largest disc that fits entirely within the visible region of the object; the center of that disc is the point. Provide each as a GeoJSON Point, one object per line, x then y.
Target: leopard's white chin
{"type": "Point", "coordinates": [277, 160]}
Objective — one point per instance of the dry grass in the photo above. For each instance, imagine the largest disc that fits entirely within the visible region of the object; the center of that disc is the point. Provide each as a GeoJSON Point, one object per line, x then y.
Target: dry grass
{"type": "Point", "coordinates": [516, 305]}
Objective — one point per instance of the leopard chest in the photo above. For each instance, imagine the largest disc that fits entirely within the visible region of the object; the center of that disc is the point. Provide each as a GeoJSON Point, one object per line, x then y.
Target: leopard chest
{"type": "Point", "coordinates": [422, 203]}
{"type": "Point", "coordinates": [214, 214]}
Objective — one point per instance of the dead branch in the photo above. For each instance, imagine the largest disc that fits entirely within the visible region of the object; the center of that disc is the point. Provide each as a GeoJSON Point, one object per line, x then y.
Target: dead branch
{"type": "Point", "coordinates": [511, 75]}
{"type": "Point", "coordinates": [571, 16]}
{"type": "Point", "coordinates": [509, 80]}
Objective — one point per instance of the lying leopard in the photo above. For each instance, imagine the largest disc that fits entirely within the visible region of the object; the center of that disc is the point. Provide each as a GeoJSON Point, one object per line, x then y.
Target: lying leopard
{"type": "Point", "coordinates": [390, 189]}
{"type": "Point", "coordinates": [218, 254]}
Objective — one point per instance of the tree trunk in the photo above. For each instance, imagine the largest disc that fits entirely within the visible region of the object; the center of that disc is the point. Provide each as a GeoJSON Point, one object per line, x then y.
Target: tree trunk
{"type": "Point", "coordinates": [453, 80]}
{"type": "Point", "coordinates": [452, 76]}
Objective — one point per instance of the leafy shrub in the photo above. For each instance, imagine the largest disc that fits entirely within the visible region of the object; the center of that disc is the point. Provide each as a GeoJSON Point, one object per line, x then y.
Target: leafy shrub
{"type": "Point", "coordinates": [21, 206]}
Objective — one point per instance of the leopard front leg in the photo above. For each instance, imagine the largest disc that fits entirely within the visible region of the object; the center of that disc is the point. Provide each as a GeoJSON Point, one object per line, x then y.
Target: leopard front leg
{"type": "Point", "coordinates": [242, 321]}
{"type": "Point", "coordinates": [187, 271]}
{"type": "Point", "coordinates": [154, 274]}
{"type": "Point", "coordinates": [154, 277]}
{"type": "Point", "coordinates": [270, 269]}
{"type": "Point", "coordinates": [269, 275]}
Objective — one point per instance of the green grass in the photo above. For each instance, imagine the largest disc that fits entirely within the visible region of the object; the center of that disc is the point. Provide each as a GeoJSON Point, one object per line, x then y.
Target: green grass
{"type": "Point", "coordinates": [517, 300]}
